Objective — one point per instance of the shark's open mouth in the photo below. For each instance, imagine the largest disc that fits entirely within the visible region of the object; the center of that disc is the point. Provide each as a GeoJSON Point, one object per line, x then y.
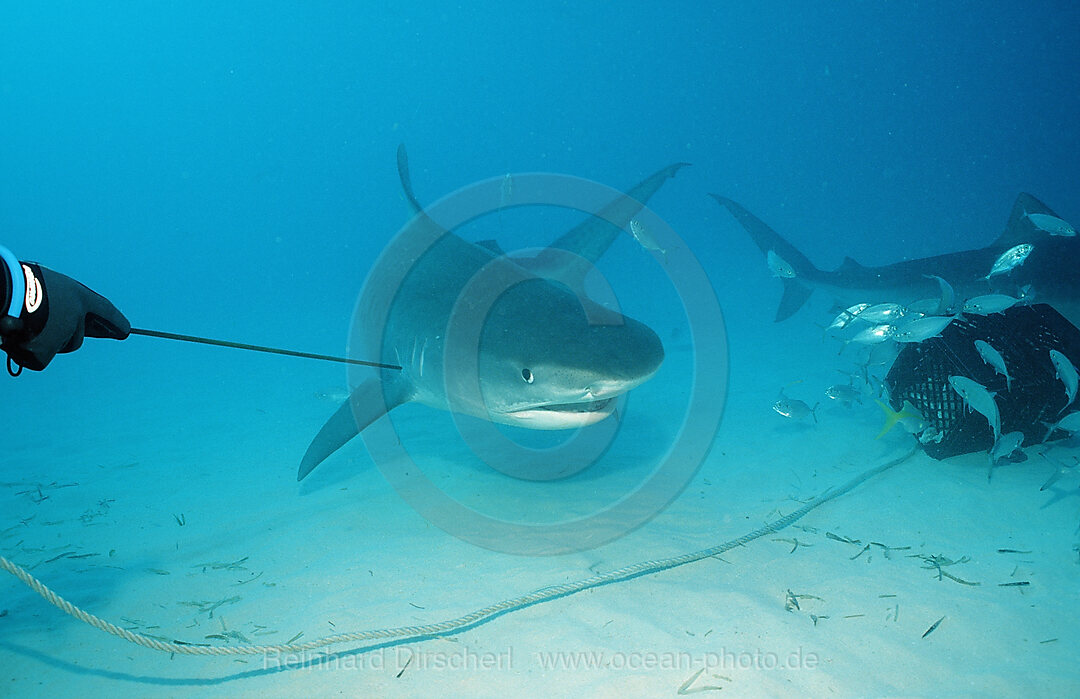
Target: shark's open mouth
{"type": "Point", "coordinates": [551, 416]}
{"type": "Point", "coordinates": [591, 406]}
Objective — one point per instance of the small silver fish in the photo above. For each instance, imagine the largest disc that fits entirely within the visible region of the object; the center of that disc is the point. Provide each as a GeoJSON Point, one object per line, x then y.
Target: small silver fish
{"type": "Point", "coordinates": [992, 357]}
{"type": "Point", "coordinates": [980, 400]}
{"type": "Point", "coordinates": [908, 417]}
{"type": "Point", "coordinates": [882, 313]}
{"type": "Point", "coordinates": [1010, 259]}
{"type": "Point", "coordinates": [1060, 470]}
{"type": "Point", "coordinates": [948, 296]}
{"type": "Point", "coordinates": [989, 303]}
{"type": "Point", "coordinates": [1005, 447]}
{"type": "Point", "coordinates": [925, 307]}
{"type": "Point", "coordinates": [645, 238]}
{"type": "Point", "coordinates": [846, 316]}
{"type": "Point", "coordinates": [931, 435]}
{"type": "Point", "coordinates": [1070, 423]}
{"type": "Point", "coordinates": [779, 266]}
{"type": "Point", "coordinates": [845, 394]}
{"type": "Point", "coordinates": [921, 329]}
{"type": "Point", "coordinates": [874, 335]}
{"type": "Point", "coordinates": [794, 408]}
{"type": "Point", "coordinates": [1051, 224]}
{"type": "Point", "coordinates": [1066, 372]}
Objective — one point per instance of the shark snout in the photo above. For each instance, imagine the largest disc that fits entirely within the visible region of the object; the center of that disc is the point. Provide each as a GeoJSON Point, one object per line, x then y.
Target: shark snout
{"type": "Point", "coordinates": [640, 354]}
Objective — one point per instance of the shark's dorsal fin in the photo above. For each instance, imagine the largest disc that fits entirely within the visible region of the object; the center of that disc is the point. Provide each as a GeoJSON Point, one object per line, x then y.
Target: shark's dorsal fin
{"type": "Point", "coordinates": [592, 237]}
{"type": "Point", "coordinates": [420, 220]}
{"type": "Point", "coordinates": [1020, 229]}
{"type": "Point", "coordinates": [406, 180]}
{"type": "Point", "coordinates": [493, 246]}
{"type": "Point", "coordinates": [849, 265]}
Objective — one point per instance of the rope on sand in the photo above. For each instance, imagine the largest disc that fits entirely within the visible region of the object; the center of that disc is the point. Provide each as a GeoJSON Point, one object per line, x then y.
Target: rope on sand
{"type": "Point", "coordinates": [450, 626]}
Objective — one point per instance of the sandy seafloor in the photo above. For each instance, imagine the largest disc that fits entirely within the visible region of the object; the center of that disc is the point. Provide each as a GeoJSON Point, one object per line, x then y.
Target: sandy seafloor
{"type": "Point", "coordinates": [107, 468]}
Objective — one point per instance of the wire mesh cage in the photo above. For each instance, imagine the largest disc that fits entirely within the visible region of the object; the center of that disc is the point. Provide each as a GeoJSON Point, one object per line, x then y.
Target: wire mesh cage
{"type": "Point", "coordinates": [1030, 402]}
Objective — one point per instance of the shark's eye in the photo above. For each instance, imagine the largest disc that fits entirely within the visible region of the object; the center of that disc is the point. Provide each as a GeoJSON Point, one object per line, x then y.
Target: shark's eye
{"type": "Point", "coordinates": [527, 375]}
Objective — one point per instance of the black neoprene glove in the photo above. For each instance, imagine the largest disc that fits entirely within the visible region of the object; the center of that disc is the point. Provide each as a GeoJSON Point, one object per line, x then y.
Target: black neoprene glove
{"type": "Point", "coordinates": [55, 318]}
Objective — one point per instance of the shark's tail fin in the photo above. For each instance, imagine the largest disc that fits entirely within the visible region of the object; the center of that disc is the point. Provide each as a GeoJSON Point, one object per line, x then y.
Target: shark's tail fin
{"type": "Point", "coordinates": [795, 295]}
{"type": "Point", "coordinates": [773, 246]}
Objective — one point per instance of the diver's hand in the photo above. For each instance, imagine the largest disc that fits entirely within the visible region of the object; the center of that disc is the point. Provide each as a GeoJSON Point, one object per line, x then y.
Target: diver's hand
{"type": "Point", "coordinates": [57, 314]}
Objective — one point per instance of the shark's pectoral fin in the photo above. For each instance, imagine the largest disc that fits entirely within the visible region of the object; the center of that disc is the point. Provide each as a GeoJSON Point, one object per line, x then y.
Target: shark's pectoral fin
{"type": "Point", "coordinates": [370, 401]}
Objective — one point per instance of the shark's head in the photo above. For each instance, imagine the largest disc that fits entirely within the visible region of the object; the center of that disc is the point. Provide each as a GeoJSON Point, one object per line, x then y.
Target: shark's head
{"type": "Point", "coordinates": [549, 360]}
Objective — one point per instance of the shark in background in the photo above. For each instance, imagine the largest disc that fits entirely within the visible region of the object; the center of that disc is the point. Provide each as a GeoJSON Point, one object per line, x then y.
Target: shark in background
{"type": "Point", "coordinates": [545, 357]}
{"type": "Point", "coordinates": [1049, 272]}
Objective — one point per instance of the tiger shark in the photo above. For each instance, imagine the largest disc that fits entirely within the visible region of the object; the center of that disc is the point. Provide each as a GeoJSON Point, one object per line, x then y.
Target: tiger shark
{"type": "Point", "coordinates": [544, 357]}
{"type": "Point", "coordinates": [1049, 272]}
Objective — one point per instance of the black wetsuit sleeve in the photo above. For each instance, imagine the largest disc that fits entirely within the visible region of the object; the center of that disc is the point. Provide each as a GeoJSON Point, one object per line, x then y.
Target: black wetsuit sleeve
{"type": "Point", "coordinates": [9, 325]}
{"type": "Point", "coordinates": [6, 288]}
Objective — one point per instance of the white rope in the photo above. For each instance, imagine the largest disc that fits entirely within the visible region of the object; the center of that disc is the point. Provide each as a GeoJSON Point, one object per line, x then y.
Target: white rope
{"type": "Point", "coordinates": [451, 626]}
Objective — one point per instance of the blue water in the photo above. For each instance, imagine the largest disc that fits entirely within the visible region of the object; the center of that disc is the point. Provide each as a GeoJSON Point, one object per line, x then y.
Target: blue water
{"type": "Point", "coordinates": [228, 170]}
{"type": "Point", "coordinates": [173, 157]}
